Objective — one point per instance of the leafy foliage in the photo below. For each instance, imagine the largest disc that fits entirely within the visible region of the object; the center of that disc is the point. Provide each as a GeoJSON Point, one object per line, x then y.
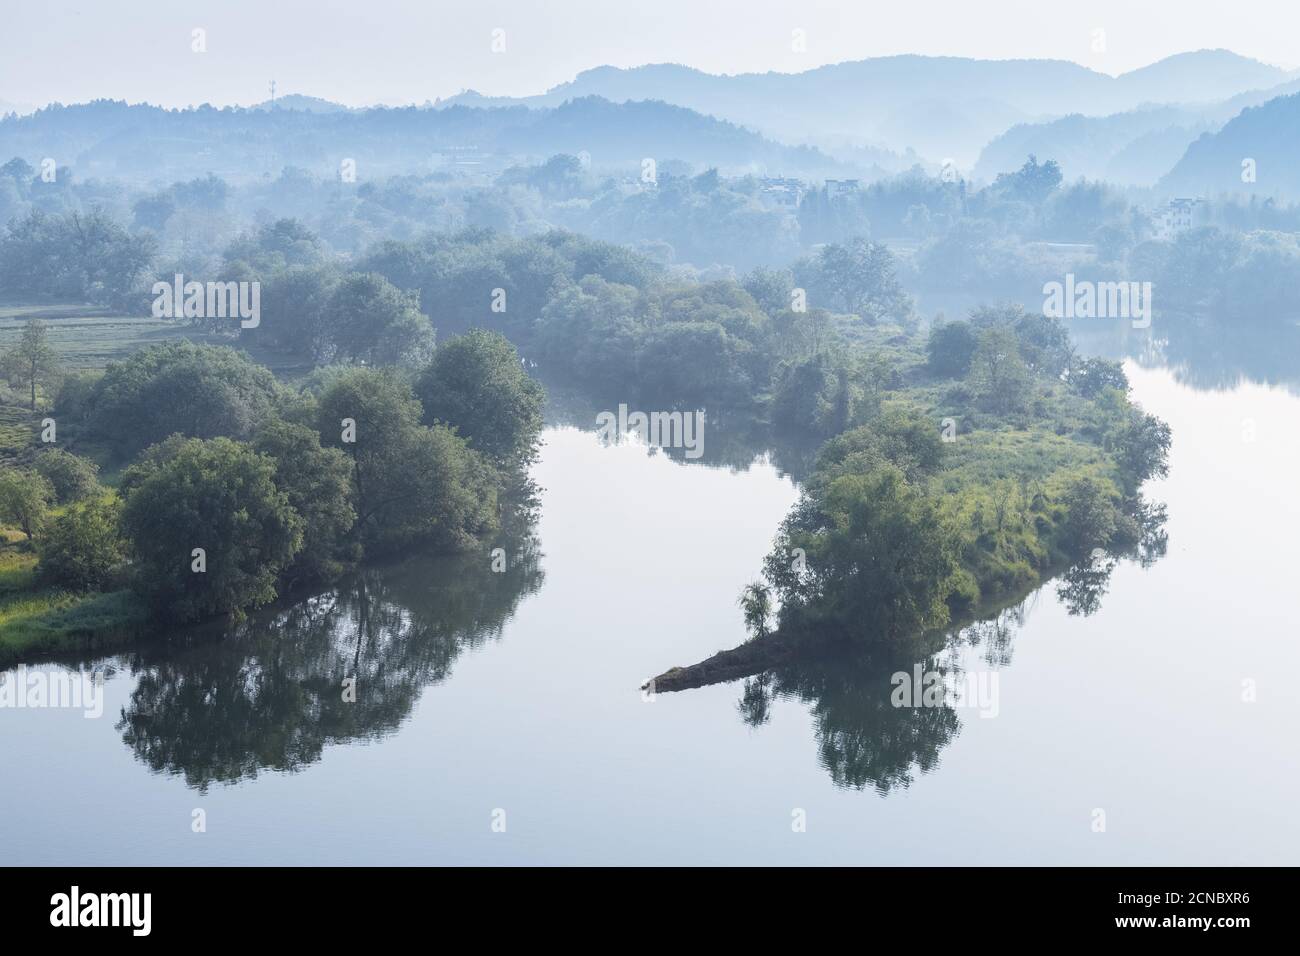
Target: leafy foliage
{"type": "Point", "coordinates": [216, 495]}
{"type": "Point", "coordinates": [71, 476]}
{"type": "Point", "coordinates": [25, 498]}
{"type": "Point", "coordinates": [82, 548]}
{"type": "Point", "coordinates": [199, 391]}
{"type": "Point", "coordinates": [413, 485]}
{"type": "Point", "coordinates": [33, 361]}
{"type": "Point", "coordinates": [477, 385]}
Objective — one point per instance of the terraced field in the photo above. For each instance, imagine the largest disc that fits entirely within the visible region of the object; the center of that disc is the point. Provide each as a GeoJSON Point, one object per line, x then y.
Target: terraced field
{"type": "Point", "coordinates": [86, 336]}
{"type": "Point", "coordinates": [17, 426]}
{"type": "Point", "coordinates": [89, 337]}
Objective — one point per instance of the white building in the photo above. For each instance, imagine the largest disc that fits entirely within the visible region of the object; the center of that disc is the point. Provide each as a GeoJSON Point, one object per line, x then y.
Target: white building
{"type": "Point", "coordinates": [841, 187]}
{"type": "Point", "coordinates": [781, 191]}
{"type": "Point", "coordinates": [1180, 215]}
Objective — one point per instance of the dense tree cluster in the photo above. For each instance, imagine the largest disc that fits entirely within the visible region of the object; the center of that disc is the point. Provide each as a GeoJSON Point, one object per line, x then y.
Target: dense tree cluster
{"type": "Point", "coordinates": [240, 487]}
{"type": "Point", "coordinates": [85, 256]}
{"type": "Point", "coordinates": [898, 531]}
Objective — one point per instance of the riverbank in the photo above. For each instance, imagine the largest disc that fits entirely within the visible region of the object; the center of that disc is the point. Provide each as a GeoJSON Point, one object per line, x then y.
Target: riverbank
{"type": "Point", "coordinates": [51, 622]}
{"type": "Point", "coordinates": [35, 625]}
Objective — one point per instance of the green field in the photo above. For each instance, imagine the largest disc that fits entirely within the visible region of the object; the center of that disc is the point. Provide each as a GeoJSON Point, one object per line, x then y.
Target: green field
{"type": "Point", "coordinates": [88, 337]}
{"type": "Point", "coordinates": [85, 336]}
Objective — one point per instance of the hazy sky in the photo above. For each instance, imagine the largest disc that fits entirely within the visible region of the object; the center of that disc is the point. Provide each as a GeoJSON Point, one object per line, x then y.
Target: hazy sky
{"type": "Point", "coordinates": [361, 52]}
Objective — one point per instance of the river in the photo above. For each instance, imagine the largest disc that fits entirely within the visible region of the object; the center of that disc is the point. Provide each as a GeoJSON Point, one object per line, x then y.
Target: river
{"type": "Point", "coordinates": [498, 717]}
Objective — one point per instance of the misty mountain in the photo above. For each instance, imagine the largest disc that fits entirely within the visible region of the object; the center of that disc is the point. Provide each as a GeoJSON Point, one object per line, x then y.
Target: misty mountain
{"type": "Point", "coordinates": [1087, 145]}
{"type": "Point", "coordinates": [1136, 147]}
{"type": "Point", "coordinates": [1269, 135]}
{"type": "Point", "coordinates": [626, 133]}
{"type": "Point", "coordinates": [109, 138]}
{"type": "Point", "coordinates": [940, 106]}
{"type": "Point", "coordinates": [299, 101]}
{"type": "Point", "coordinates": [1201, 76]}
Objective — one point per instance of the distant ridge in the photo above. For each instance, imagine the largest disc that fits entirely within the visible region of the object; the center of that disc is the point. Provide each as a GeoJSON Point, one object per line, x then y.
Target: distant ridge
{"type": "Point", "coordinates": [1263, 141]}
{"type": "Point", "coordinates": [109, 138]}
{"type": "Point", "coordinates": [1136, 147]}
{"type": "Point", "coordinates": [940, 106]}
{"type": "Point", "coordinates": [299, 101]}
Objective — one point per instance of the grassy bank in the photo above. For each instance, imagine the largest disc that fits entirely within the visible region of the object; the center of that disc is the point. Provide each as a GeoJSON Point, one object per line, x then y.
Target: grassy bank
{"type": "Point", "coordinates": [54, 623]}
{"type": "Point", "coordinates": [37, 622]}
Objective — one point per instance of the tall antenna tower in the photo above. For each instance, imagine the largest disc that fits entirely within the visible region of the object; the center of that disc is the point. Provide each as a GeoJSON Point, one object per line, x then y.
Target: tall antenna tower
{"type": "Point", "coordinates": [273, 94]}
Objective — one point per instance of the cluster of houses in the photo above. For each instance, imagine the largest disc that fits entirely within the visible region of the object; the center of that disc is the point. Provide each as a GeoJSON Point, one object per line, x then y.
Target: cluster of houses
{"type": "Point", "coordinates": [788, 193]}
{"type": "Point", "coordinates": [783, 192]}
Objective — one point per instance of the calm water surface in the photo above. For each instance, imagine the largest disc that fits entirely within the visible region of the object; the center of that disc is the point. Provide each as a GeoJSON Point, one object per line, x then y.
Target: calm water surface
{"type": "Point", "coordinates": [518, 692]}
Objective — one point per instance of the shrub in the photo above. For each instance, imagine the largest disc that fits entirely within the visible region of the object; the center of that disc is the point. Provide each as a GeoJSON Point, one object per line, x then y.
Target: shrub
{"type": "Point", "coordinates": [25, 499]}
{"type": "Point", "coordinates": [83, 547]}
{"type": "Point", "coordinates": [71, 476]}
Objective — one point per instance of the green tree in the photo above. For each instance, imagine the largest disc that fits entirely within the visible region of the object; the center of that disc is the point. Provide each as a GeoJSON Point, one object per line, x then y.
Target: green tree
{"type": "Point", "coordinates": [898, 436]}
{"type": "Point", "coordinates": [216, 495]}
{"type": "Point", "coordinates": [76, 394]}
{"type": "Point", "coordinates": [1090, 515]}
{"type": "Point", "coordinates": [153, 211]}
{"type": "Point", "coordinates": [771, 289]}
{"type": "Point", "coordinates": [86, 255]}
{"type": "Point", "coordinates": [819, 396]}
{"type": "Point", "coordinates": [950, 348]}
{"type": "Point", "coordinates": [477, 384]}
{"type": "Point", "coordinates": [861, 276]}
{"type": "Point", "coordinates": [590, 329]}
{"type": "Point", "coordinates": [25, 498]}
{"type": "Point", "coordinates": [71, 476]}
{"type": "Point", "coordinates": [1140, 443]}
{"type": "Point", "coordinates": [1092, 376]}
{"type": "Point", "coordinates": [998, 375]}
{"type": "Point", "coordinates": [82, 548]}
{"type": "Point", "coordinates": [293, 311]}
{"type": "Point", "coordinates": [285, 243]}
{"type": "Point", "coordinates": [1044, 343]}
{"type": "Point", "coordinates": [1032, 183]}
{"type": "Point", "coordinates": [33, 361]}
{"type": "Point", "coordinates": [199, 391]}
{"type": "Point", "coordinates": [19, 169]}
{"type": "Point", "coordinates": [318, 483]}
{"type": "Point", "coordinates": [560, 177]}
{"type": "Point", "coordinates": [413, 486]}
{"type": "Point", "coordinates": [875, 560]}
{"type": "Point", "coordinates": [756, 605]}
{"type": "Point", "coordinates": [369, 320]}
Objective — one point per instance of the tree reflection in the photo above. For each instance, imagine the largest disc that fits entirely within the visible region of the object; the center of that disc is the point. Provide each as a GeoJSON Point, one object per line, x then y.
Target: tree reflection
{"type": "Point", "coordinates": [1207, 355]}
{"type": "Point", "coordinates": [1082, 587]}
{"type": "Point", "coordinates": [867, 738]}
{"type": "Point", "coordinates": [272, 693]}
{"type": "Point", "coordinates": [863, 739]}
{"type": "Point", "coordinates": [734, 439]}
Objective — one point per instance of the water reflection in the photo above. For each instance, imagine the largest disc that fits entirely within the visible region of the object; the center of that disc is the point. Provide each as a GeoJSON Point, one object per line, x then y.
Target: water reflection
{"type": "Point", "coordinates": [868, 735]}
{"type": "Point", "coordinates": [863, 740]}
{"type": "Point", "coordinates": [272, 693]}
{"type": "Point", "coordinates": [1204, 354]}
{"type": "Point", "coordinates": [1082, 586]}
{"type": "Point", "coordinates": [733, 439]}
